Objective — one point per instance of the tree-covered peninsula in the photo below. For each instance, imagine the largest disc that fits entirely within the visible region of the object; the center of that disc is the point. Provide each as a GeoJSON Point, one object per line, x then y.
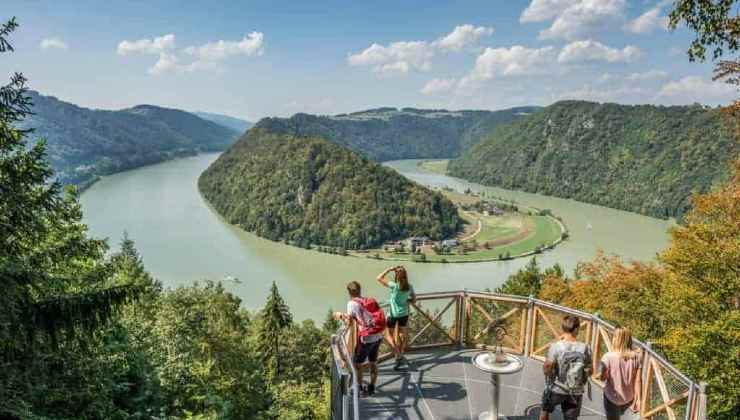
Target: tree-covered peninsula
{"type": "Point", "coordinates": [310, 191]}
{"type": "Point", "coordinates": [646, 159]}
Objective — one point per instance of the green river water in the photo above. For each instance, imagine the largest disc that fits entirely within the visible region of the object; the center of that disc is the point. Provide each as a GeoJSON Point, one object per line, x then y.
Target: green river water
{"type": "Point", "coordinates": [182, 240]}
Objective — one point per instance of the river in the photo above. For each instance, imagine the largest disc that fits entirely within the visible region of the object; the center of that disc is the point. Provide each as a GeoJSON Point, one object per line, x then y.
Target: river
{"type": "Point", "coordinates": [182, 240]}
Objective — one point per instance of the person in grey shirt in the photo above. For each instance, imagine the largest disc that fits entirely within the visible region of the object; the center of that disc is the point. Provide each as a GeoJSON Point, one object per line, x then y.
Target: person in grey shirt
{"type": "Point", "coordinates": [567, 368]}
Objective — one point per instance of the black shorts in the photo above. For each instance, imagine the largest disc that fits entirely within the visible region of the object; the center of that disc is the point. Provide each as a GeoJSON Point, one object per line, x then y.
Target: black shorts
{"type": "Point", "coordinates": [614, 411]}
{"type": "Point", "coordinates": [401, 321]}
{"type": "Point", "coordinates": [367, 351]}
{"type": "Point", "coordinates": [569, 404]}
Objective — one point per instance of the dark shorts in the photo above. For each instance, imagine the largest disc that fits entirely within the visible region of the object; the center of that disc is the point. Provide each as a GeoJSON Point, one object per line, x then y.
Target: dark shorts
{"type": "Point", "coordinates": [367, 351]}
{"type": "Point", "coordinates": [401, 321]}
{"type": "Point", "coordinates": [614, 411]}
{"type": "Point", "coordinates": [569, 404]}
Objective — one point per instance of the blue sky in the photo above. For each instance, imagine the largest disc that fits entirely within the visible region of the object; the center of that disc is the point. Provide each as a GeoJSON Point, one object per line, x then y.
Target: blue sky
{"type": "Point", "coordinates": [253, 59]}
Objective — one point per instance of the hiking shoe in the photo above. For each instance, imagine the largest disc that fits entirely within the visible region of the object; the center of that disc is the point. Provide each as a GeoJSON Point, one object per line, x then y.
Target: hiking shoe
{"type": "Point", "coordinates": [364, 391]}
{"type": "Point", "coordinates": [398, 364]}
{"type": "Point", "coordinates": [371, 390]}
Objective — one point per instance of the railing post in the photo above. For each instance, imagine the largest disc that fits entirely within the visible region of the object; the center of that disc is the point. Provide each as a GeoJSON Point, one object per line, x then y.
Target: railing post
{"type": "Point", "coordinates": [690, 403]}
{"type": "Point", "coordinates": [528, 329]}
{"type": "Point", "coordinates": [645, 391]}
{"type": "Point", "coordinates": [460, 317]}
{"type": "Point", "coordinates": [465, 317]}
{"type": "Point", "coordinates": [701, 413]}
{"type": "Point", "coordinates": [595, 336]}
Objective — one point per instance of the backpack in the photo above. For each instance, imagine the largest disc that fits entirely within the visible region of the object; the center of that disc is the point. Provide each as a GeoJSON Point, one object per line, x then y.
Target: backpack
{"type": "Point", "coordinates": [571, 369]}
{"type": "Point", "coordinates": [376, 321]}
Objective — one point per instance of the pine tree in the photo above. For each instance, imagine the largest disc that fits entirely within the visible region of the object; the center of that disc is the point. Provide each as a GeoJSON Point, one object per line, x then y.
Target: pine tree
{"type": "Point", "coordinates": [275, 318]}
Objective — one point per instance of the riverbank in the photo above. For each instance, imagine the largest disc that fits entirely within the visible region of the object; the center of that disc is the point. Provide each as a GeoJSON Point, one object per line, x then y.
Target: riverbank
{"type": "Point", "coordinates": [155, 159]}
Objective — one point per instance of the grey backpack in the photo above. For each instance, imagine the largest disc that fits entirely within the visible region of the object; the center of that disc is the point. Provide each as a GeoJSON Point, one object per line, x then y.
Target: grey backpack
{"type": "Point", "coordinates": [572, 365]}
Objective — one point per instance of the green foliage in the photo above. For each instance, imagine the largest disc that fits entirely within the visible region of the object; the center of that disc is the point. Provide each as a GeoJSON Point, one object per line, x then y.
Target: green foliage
{"type": "Point", "coordinates": [389, 134]}
{"type": "Point", "coordinates": [528, 280]}
{"type": "Point", "coordinates": [716, 24]}
{"type": "Point", "coordinates": [311, 191]}
{"type": "Point", "coordinates": [57, 287]}
{"type": "Point", "coordinates": [84, 143]}
{"type": "Point", "coordinates": [646, 159]}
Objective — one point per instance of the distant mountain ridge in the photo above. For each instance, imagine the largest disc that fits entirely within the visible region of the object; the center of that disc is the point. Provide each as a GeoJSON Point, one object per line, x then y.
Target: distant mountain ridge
{"type": "Point", "coordinates": [83, 144]}
{"type": "Point", "coordinates": [641, 158]}
{"type": "Point", "coordinates": [387, 133]}
{"type": "Point", "coordinates": [236, 124]}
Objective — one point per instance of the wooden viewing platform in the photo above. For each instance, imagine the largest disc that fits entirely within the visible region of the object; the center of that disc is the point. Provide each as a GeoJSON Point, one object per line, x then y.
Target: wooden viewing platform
{"type": "Point", "coordinates": [447, 329]}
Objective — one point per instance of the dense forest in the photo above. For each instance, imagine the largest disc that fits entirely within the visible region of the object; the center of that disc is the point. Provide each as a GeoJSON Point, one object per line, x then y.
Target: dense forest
{"type": "Point", "coordinates": [236, 124]}
{"type": "Point", "coordinates": [83, 144]}
{"type": "Point", "coordinates": [646, 159]}
{"type": "Point", "coordinates": [307, 190]}
{"type": "Point", "coordinates": [383, 134]}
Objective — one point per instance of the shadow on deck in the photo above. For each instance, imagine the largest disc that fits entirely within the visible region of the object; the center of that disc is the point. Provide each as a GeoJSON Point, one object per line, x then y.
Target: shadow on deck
{"type": "Point", "coordinates": [443, 384]}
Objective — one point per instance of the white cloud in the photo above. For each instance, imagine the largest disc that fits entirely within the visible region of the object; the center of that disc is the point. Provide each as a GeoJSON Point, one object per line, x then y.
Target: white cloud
{"type": "Point", "coordinates": [437, 86]}
{"type": "Point", "coordinates": [250, 45]}
{"type": "Point", "coordinates": [49, 43]}
{"type": "Point", "coordinates": [543, 10]}
{"type": "Point", "coordinates": [147, 46]}
{"type": "Point", "coordinates": [403, 56]}
{"type": "Point", "coordinates": [647, 75]}
{"type": "Point", "coordinates": [697, 89]}
{"type": "Point", "coordinates": [205, 57]}
{"type": "Point", "coordinates": [397, 57]}
{"type": "Point", "coordinates": [573, 18]}
{"type": "Point", "coordinates": [514, 61]}
{"type": "Point", "coordinates": [589, 51]}
{"type": "Point", "coordinates": [648, 21]}
{"type": "Point", "coordinates": [463, 36]}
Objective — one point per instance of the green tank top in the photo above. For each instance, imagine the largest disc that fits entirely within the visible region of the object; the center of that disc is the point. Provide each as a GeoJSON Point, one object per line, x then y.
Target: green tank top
{"type": "Point", "coordinates": [399, 300]}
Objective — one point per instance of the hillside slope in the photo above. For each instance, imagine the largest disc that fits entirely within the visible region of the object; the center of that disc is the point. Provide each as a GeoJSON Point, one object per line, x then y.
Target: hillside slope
{"type": "Point", "coordinates": [236, 124]}
{"type": "Point", "coordinates": [84, 143]}
{"type": "Point", "coordinates": [312, 191]}
{"type": "Point", "coordinates": [646, 159]}
{"type": "Point", "coordinates": [384, 134]}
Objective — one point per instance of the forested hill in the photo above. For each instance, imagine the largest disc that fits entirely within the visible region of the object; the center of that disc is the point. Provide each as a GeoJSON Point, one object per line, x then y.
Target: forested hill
{"type": "Point", "coordinates": [388, 133]}
{"type": "Point", "coordinates": [646, 159]}
{"type": "Point", "coordinates": [84, 143]}
{"type": "Point", "coordinates": [308, 190]}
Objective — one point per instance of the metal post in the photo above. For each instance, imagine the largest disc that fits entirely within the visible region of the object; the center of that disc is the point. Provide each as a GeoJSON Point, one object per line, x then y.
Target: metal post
{"type": "Point", "coordinates": [494, 400]}
{"type": "Point", "coordinates": [528, 329]}
{"type": "Point", "coordinates": [702, 403]}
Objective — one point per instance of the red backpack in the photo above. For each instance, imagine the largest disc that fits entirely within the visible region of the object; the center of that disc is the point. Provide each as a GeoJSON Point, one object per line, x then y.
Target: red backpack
{"type": "Point", "coordinates": [378, 323]}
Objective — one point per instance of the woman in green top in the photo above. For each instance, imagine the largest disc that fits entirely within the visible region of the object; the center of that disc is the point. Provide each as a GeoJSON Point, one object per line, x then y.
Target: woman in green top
{"type": "Point", "coordinates": [402, 293]}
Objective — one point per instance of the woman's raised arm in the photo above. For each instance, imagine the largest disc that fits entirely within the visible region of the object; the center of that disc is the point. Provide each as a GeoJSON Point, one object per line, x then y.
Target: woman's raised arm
{"type": "Point", "coordinates": [381, 277]}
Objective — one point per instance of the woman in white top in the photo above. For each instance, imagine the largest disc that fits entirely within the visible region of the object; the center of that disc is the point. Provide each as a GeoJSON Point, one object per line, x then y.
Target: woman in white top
{"type": "Point", "coordinates": [620, 369]}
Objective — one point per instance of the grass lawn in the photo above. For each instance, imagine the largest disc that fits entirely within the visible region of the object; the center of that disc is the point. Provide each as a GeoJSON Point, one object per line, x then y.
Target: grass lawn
{"type": "Point", "coordinates": [512, 234]}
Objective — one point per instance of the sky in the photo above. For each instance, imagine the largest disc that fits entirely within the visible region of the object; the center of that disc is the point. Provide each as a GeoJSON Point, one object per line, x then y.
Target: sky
{"type": "Point", "coordinates": [253, 59]}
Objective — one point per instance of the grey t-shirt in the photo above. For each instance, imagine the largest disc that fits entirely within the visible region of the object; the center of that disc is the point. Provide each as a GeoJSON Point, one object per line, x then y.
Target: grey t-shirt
{"type": "Point", "coordinates": [561, 346]}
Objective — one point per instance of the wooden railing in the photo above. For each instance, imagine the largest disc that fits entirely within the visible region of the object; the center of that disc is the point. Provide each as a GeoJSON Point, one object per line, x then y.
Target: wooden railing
{"type": "Point", "coordinates": [468, 319]}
